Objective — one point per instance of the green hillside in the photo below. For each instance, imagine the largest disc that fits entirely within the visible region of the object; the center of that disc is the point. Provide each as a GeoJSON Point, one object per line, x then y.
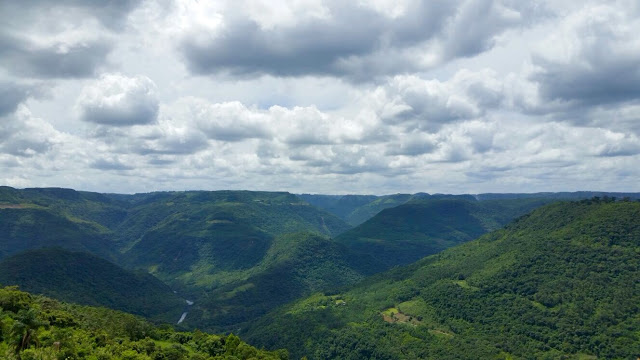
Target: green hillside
{"type": "Point", "coordinates": [355, 209]}
{"type": "Point", "coordinates": [201, 234]}
{"type": "Point", "coordinates": [295, 266]}
{"type": "Point", "coordinates": [86, 279]}
{"type": "Point", "coordinates": [427, 225]}
{"type": "Point", "coordinates": [561, 282]}
{"type": "Point", "coordinates": [205, 244]}
{"type": "Point", "coordinates": [93, 209]}
{"type": "Point", "coordinates": [27, 226]}
{"type": "Point", "coordinates": [270, 212]}
{"type": "Point", "coordinates": [39, 328]}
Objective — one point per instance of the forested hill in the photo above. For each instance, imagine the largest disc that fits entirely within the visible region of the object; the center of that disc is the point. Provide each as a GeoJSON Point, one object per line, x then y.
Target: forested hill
{"type": "Point", "coordinates": [429, 224]}
{"type": "Point", "coordinates": [237, 254]}
{"type": "Point", "coordinates": [39, 328]}
{"type": "Point", "coordinates": [107, 224]}
{"type": "Point", "coordinates": [561, 282]}
{"type": "Point", "coordinates": [295, 266]}
{"type": "Point", "coordinates": [87, 279]}
{"type": "Point", "coordinates": [356, 209]}
{"type": "Point", "coordinates": [26, 226]}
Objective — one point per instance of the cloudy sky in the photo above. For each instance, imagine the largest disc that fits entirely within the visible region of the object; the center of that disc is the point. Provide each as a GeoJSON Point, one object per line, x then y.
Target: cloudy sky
{"type": "Point", "coordinates": [321, 96]}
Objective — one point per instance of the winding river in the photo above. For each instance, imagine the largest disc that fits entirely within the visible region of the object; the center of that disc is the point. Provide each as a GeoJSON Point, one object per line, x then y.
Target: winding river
{"type": "Point", "coordinates": [186, 311]}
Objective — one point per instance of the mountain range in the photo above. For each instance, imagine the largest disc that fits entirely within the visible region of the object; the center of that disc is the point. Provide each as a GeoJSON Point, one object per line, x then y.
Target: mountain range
{"type": "Point", "coordinates": [560, 282]}
{"type": "Point", "coordinates": [353, 269]}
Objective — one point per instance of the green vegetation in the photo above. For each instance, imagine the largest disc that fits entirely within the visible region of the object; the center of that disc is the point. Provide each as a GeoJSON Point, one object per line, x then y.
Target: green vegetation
{"type": "Point", "coordinates": [27, 228]}
{"type": "Point", "coordinates": [237, 254]}
{"type": "Point", "coordinates": [296, 265]}
{"type": "Point", "coordinates": [35, 327]}
{"type": "Point", "coordinates": [355, 209]}
{"type": "Point", "coordinates": [561, 282]}
{"type": "Point", "coordinates": [86, 279]}
{"type": "Point", "coordinates": [429, 224]}
{"type": "Point", "coordinates": [98, 211]}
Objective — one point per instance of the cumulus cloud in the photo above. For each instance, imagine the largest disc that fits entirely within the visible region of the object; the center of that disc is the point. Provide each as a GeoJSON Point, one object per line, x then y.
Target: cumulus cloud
{"type": "Point", "coordinates": [296, 126]}
{"type": "Point", "coordinates": [110, 164]}
{"type": "Point", "coordinates": [229, 121]}
{"type": "Point", "coordinates": [168, 137]}
{"type": "Point", "coordinates": [62, 39]}
{"type": "Point", "coordinates": [57, 60]}
{"type": "Point", "coordinates": [320, 95]}
{"type": "Point", "coordinates": [592, 59]}
{"type": "Point", "coordinates": [347, 39]}
{"type": "Point", "coordinates": [476, 25]}
{"type": "Point", "coordinates": [309, 126]}
{"type": "Point", "coordinates": [11, 95]}
{"type": "Point", "coordinates": [118, 100]}
{"type": "Point", "coordinates": [420, 104]}
{"type": "Point", "coordinates": [22, 134]}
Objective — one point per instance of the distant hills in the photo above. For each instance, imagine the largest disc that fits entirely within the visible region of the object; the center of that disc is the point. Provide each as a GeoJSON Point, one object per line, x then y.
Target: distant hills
{"type": "Point", "coordinates": [295, 265]}
{"type": "Point", "coordinates": [560, 282]}
{"type": "Point", "coordinates": [215, 231]}
{"type": "Point", "coordinates": [427, 225]}
{"type": "Point", "coordinates": [87, 279]}
{"type": "Point", "coordinates": [238, 254]}
{"type": "Point", "coordinates": [29, 226]}
{"type": "Point", "coordinates": [356, 209]}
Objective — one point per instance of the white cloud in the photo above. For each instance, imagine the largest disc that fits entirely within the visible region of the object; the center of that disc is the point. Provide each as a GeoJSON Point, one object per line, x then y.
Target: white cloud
{"type": "Point", "coordinates": [322, 96]}
{"type": "Point", "coordinates": [592, 58]}
{"type": "Point", "coordinates": [416, 103]}
{"type": "Point", "coordinates": [23, 135]}
{"type": "Point", "coordinates": [117, 100]}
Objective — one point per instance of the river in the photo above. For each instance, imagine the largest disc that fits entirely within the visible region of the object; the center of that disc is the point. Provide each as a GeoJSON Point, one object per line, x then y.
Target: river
{"type": "Point", "coordinates": [186, 311]}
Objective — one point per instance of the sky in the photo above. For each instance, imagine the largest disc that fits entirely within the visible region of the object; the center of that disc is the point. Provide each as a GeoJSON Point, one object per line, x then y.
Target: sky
{"type": "Point", "coordinates": [321, 96]}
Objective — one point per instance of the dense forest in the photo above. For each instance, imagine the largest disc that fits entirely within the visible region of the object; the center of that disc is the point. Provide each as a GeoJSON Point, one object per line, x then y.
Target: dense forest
{"type": "Point", "coordinates": [561, 282]}
{"type": "Point", "coordinates": [40, 328]}
{"type": "Point", "coordinates": [237, 254]}
{"type": "Point", "coordinates": [428, 224]}
{"type": "Point", "coordinates": [86, 279]}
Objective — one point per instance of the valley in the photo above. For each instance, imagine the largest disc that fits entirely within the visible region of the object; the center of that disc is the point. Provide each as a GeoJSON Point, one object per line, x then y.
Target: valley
{"type": "Point", "coordinates": [435, 273]}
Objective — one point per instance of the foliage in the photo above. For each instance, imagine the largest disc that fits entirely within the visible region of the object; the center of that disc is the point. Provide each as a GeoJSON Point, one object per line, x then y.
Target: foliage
{"type": "Point", "coordinates": [33, 228]}
{"type": "Point", "coordinates": [355, 209]}
{"type": "Point", "coordinates": [87, 279]}
{"type": "Point", "coordinates": [35, 332]}
{"type": "Point", "coordinates": [561, 282]}
{"type": "Point", "coordinates": [295, 266]}
{"type": "Point", "coordinates": [428, 225]}
{"type": "Point", "coordinates": [206, 245]}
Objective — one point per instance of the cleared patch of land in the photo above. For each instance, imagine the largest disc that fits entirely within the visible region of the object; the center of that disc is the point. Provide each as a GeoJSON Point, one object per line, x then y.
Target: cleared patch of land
{"type": "Point", "coordinates": [393, 315]}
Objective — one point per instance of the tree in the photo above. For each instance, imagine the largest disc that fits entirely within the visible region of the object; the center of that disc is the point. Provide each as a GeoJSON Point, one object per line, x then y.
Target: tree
{"type": "Point", "coordinates": [25, 328]}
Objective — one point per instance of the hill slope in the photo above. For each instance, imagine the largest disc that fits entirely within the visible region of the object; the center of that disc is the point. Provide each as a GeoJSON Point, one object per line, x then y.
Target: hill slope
{"type": "Point", "coordinates": [355, 209]}
{"type": "Point", "coordinates": [295, 266]}
{"type": "Point", "coordinates": [97, 210]}
{"type": "Point", "coordinates": [203, 243]}
{"type": "Point", "coordinates": [35, 327]}
{"type": "Point", "coordinates": [83, 278]}
{"type": "Point", "coordinates": [560, 282]}
{"type": "Point", "coordinates": [199, 234]}
{"type": "Point", "coordinates": [425, 226]}
{"type": "Point", "coordinates": [25, 227]}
